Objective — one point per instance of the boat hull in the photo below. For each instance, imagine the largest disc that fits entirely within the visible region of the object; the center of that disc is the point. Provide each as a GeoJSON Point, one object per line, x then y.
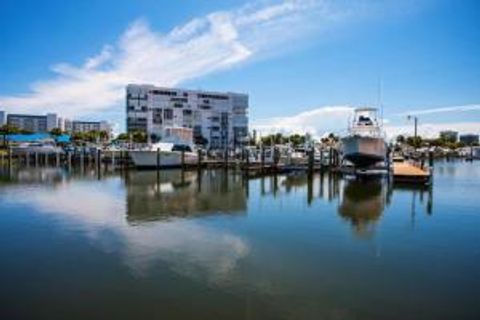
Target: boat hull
{"type": "Point", "coordinates": [168, 159]}
{"type": "Point", "coordinates": [364, 151]}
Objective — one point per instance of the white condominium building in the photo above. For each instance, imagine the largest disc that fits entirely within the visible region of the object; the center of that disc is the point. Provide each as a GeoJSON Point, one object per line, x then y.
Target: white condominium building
{"type": "Point", "coordinates": [218, 119]}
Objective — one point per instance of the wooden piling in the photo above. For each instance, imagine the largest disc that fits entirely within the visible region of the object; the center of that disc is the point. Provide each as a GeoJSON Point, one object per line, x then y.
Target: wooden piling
{"type": "Point", "coordinates": [199, 159]}
{"type": "Point", "coordinates": [225, 158]}
{"type": "Point", "coordinates": [183, 159]}
{"type": "Point", "coordinates": [330, 157]}
{"type": "Point", "coordinates": [262, 159]}
{"type": "Point", "coordinates": [158, 159]}
{"type": "Point", "coordinates": [113, 160]}
{"type": "Point", "coordinates": [99, 160]}
{"type": "Point", "coordinates": [321, 157]}
{"type": "Point", "coordinates": [69, 156]}
{"type": "Point", "coordinates": [311, 160]}
{"type": "Point", "coordinates": [9, 158]}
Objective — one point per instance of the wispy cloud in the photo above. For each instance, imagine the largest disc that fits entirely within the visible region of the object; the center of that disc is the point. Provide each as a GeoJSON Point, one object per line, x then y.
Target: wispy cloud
{"type": "Point", "coordinates": [203, 45]}
{"type": "Point", "coordinates": [432, 130]}
{"type": "Point", "coordinates": [463, 108]}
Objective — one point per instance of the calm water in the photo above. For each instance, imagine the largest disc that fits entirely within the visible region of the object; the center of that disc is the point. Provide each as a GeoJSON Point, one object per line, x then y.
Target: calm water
{"type": "Point", "coordinates": [213, 246]}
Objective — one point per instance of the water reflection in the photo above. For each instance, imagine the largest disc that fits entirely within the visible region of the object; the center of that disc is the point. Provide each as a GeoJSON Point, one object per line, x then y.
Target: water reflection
{"type": "Point", "coordinates": [362, 204]}
{"type": "Point", "coordinates": [285, 246]}
{"type": "Point", "coordinates": [183, 194]}
{"type": "Point", "coordinates": [172, 196]}
{"type": "Point", "coordinates": [98, 210]}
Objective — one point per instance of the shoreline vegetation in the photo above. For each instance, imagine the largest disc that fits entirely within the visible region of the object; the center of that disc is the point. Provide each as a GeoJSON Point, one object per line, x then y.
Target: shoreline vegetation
{"type": "Point", "coordinates": [294, 140]}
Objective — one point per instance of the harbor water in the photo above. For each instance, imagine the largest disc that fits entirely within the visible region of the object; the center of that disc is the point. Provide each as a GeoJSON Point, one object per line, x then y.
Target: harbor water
{"type": "Point", "coordinates": [214, 245]}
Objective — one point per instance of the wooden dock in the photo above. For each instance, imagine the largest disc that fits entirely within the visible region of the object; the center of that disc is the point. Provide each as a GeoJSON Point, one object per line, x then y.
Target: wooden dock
{"type": "Point", "coordinates": [406, 172]}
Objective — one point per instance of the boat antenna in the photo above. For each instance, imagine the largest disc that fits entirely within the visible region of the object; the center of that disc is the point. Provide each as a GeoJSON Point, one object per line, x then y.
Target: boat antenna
{"type": "Point", "coordinates": [379, 99]}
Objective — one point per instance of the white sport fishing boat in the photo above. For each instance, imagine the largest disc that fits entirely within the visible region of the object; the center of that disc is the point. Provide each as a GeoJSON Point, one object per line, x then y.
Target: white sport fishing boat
{"type": "Point", "coordinates": [175, 141]}
{"type": "Point", "coordinates": [365, 145]}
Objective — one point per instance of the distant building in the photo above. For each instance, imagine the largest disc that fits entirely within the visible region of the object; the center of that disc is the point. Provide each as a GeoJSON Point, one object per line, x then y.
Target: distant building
{"type": "Point", "coordinates": [469, 139]}
{"type": "Point", "coordinates": [2, 118]}
{"type": "Point", "coordinates": [218, 119]}
{"type": "Point", "coordinates": [61, 124]}
{"type": "Point", "coordinates": [86, 126]}
{"type": "Point", "coordinates": [33, 123]}
{"type": "Point", "coordinates": [67, 124]}
{"type": "Point", "coordinates": [449, 135]}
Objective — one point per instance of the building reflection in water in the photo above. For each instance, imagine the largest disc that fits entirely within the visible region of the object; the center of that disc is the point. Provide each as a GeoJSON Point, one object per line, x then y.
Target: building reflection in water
{"type": "Point", "coordinates": [183, 194]}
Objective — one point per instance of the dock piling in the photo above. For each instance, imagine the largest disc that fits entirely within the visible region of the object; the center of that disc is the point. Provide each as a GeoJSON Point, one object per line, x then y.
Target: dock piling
{"type": "Point", "coordinates": [183, 159]}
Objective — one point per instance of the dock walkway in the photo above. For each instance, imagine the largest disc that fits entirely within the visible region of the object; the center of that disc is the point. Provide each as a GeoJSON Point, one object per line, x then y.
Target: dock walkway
{"type": "Point", "coordinates": [407, 172]}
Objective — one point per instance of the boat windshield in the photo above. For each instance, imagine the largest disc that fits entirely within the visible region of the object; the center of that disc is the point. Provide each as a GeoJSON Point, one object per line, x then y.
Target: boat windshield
{"type": "Point", "coordinates": [365, 122]}
{"type": "Point", "coordinates": [181, 147]}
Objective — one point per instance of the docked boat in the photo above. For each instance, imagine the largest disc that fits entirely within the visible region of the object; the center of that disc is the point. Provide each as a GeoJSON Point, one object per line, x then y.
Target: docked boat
{"type": "Point", "coordinates": [365, 145]}
{"type": "Point", "coordinates": [175, 142]}
{"type": "Point", "coordinates": [45, 146]}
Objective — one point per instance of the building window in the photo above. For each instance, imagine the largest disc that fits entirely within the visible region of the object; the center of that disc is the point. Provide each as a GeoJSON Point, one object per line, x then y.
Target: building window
{"type": "Point", "coordinates": [168, 114]}
{"type": "Point", "coordinates": [164, 92]}
{"type": "Point", "coordinates": [212, 96]}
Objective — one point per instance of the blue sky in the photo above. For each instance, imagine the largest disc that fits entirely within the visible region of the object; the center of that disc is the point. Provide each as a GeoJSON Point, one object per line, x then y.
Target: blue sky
{"type": "Point", "coordinates": [305, 63]}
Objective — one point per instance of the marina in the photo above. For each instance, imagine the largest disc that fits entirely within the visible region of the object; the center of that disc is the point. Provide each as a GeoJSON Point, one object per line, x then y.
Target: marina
{"type": "Point", "coordinates": [251, 159]}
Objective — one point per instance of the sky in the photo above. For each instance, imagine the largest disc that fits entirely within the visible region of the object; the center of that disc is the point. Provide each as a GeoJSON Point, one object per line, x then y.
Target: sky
{"type": "Point", "coordinates": [304, 63]}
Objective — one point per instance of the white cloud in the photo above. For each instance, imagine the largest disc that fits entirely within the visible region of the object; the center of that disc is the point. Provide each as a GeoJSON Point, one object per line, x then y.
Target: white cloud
{"type": "Point", "coordinates": [316, 122]}
{"type": "Point", "coordinates": [203, 45]}
{"type": "Point", "coordinates": [322, 120]}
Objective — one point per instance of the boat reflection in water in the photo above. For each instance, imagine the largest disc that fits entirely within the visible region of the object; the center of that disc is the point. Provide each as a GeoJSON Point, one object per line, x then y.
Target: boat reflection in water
{"type": "Point", "coordinates": [362, 204]}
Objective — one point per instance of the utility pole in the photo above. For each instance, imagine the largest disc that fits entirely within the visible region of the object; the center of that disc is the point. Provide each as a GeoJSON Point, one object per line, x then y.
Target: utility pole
{"type": "Point", "coordinates": [415, 124]}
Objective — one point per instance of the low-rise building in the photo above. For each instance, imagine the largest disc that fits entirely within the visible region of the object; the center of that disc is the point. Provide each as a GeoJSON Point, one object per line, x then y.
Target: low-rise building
{"type": "Point", "coordinates": [86, 126]}
{"type": "Point", "coordinates": [2, 118]}
{"type": "Point", "coordinates": [33, 123]}
{"type": "Point", "coordinates": [469, 139]}
{"type": "Point", "coordinates": [449, 135]}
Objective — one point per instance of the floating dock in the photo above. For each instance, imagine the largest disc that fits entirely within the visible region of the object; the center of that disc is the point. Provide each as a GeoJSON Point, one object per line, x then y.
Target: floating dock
{"type": "Point", "coordinates": [406, 172]}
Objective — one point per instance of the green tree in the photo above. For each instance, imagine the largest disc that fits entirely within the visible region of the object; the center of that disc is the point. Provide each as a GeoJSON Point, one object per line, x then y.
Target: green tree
{"type": "Point", "coordinates": [9, 129]}
{"type": "Point", "coordinates": [122, 137]}
{"type": "Point", "coordinates": [415, 142]}
{"type": "Point", "coordinates": [400, 138]}
{"type": "Point", "coordinates": [56, 132]}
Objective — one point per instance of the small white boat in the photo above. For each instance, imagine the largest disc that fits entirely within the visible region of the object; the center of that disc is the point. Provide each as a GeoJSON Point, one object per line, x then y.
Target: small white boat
{"type": "Point", "coordinates": [176, 141]}
{"type": "Point", "coordinates": [45, 146]}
